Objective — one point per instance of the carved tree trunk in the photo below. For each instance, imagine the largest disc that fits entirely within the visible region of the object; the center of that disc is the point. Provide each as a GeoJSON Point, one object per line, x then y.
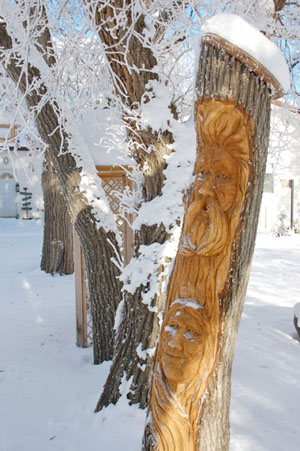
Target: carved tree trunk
{"type": "Point", "coordinates": [57, 253]}
{"type": "Point", "coordinates": [190, 392]}
{"type": "Point", "coordinates": [98, 245]}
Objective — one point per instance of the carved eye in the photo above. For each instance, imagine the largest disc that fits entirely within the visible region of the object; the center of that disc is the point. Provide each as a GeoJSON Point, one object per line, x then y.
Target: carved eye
{"type": "Point", "coordinates": [171, 329]}
{"type": "Point", "coordinates": [192, 335]}
{"type": "Point", "coordinates": [200, 177]}
{"type": "Point", "coordinates": [202, 172]}
{"type": "Point", "coordinates": [222, 178]}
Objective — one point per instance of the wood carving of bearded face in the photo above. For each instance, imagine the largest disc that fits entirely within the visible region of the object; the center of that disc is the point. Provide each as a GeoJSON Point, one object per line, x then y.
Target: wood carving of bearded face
{"type": "Point", "coordinates": [205, 229]}
{"type": "Point", "coordinates": [212, 200]}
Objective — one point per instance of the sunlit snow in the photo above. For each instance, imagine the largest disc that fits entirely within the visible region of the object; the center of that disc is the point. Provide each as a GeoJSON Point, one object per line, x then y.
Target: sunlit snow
{"type": "Point", "coordinates": [49, 387]}
{"type": "Point", "coordinates": [243, 35]}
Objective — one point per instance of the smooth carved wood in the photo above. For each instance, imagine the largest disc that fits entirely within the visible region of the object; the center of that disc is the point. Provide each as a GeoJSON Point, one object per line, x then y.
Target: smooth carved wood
{"type": "Point", "coordinates": [188, 347]}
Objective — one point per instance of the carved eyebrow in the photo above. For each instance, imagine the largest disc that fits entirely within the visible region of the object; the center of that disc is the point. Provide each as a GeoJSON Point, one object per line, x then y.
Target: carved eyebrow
{"type": "Point", "coordinates": [186, 321]}
{"type": "Point", "coordinates": [192, 336]}
{"type": "Point", "coordinates": [172, 330]}
{"type": "Point", "coordinates": [194, 326]}
{"type": "Point", "coordinates": [221, 175]}
{"type": "Point", "coordinates": [187, 302]}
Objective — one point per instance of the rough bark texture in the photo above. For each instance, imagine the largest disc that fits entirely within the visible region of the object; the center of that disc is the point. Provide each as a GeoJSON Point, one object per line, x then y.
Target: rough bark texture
{"type": "Point", "coordinates": [132, 66]}
{"type": "Point", "coordinates": [279, 4]}
{"type": "Point", "coordinates": [139, 327]}
{"type": "Point", "coordinates": [57, 253]}
{"type": "Point", "coordinates": [222, 77]}
{"type": "Point", "coordinates": [296, 325]}
{"type": "Point", "coordinates": [104, 286]}
{"type": "Point", "coordinates": [123, 50]}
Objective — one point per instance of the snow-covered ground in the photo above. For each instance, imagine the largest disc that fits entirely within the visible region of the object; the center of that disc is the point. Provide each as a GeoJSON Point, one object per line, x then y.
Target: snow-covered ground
{"type": "Point", "coordinates": [49, 387]}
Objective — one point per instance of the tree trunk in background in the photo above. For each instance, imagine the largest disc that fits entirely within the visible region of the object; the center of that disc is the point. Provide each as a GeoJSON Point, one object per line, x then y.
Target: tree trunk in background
{"type": "Point", "coordinates": [138, 330]}
{"type": "Point", "coordinates": [139, 327]}
{"type": "Point", "coordinates": [224, 79]}
{"type": "Point", "coordinates": [98, 245]}
{"type": "Point", "coordinates": [57, 253]}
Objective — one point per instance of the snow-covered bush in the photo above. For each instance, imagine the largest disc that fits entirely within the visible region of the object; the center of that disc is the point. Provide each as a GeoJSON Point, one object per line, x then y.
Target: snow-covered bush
{"type": "Point", "coordinates": [281, 228]}
{"type": "Point", "coordinates": [297, 226]}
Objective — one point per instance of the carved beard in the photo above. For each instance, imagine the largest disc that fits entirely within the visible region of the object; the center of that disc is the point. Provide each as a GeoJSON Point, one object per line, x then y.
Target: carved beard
{"type": "Point", "coordinates": [205, 230]}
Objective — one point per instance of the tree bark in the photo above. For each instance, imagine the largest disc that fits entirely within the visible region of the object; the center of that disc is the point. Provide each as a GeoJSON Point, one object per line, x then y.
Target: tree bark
{"type": "Point", "coordinates": [98, 245]}
{"type": "Point", "coordinates": [57, 253]}
{"type": "Point", "coordinates": [139, 329]}
{"type": "Point", "coordinates": [223, 78]}
{"type": "Point", "coordinates": [132, 66]}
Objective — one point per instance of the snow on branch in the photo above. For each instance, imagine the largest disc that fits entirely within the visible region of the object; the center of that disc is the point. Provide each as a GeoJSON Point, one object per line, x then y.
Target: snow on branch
{"type": "Point", "coordinates": [46, 64]}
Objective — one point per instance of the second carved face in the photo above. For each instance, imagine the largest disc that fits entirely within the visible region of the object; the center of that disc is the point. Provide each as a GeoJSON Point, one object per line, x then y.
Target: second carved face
{"type": "Point", "coordinates": [183, 343]}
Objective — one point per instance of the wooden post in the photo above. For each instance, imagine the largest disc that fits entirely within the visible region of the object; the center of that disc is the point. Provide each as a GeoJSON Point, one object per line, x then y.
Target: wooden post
{"type": "Point", "coordinates": [13, 133]}
{"type": "Point", "coordinates": [292, 186]}
{"type": "Point", "coordinates": [115, 179]}
{"type": "Point", "coordinates": [80, 293]}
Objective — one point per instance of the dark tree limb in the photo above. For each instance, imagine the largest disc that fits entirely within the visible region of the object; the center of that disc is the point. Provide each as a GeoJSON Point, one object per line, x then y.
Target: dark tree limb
{"type": "Point", "coordinates": [104, 285]}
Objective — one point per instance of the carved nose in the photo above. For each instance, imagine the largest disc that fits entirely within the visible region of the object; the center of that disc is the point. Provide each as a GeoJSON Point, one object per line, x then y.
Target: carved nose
{"type": "Point", "coordinates": [207, 188]}
{"type": "Point", "coordinates": [176, 341]}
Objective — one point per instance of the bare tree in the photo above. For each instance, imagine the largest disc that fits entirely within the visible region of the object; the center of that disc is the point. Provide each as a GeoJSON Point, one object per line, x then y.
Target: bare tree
{"type": "Point", "coordinates": [57, 253]}
{"type": "Point", "coordinates": [99, 246]}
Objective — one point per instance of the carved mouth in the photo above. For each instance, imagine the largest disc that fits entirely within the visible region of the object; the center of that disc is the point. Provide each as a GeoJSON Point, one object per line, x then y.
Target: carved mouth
{"type": "Point", "coordinates": [204, 213]}
{"type": "Point", "coordinates": [173, 355]}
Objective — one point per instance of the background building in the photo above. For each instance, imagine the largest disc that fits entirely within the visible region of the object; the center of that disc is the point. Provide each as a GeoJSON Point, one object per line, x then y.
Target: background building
{"type": "Point", "coordinates": [281, 197]}
{"type": "Point", "coordinates": [20, 172]}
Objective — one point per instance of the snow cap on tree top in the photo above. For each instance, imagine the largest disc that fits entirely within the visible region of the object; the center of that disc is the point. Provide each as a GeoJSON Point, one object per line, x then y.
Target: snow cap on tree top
{"type": "Point", "coordinates": [249, 45]}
